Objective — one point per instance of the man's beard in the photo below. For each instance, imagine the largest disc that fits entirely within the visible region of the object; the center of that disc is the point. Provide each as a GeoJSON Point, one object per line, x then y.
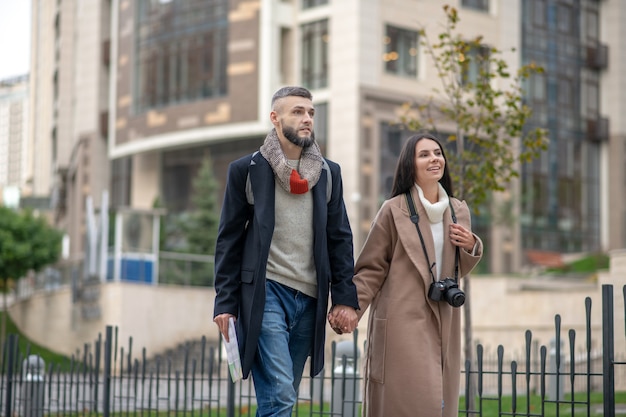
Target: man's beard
{"type": "Point", "coordinates": [292, 136]}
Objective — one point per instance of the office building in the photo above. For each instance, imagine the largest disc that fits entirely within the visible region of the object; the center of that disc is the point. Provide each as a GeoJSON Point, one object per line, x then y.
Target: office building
{"type": "Point", "coordinates": [69, 101]}
{"type": "Point", "coordinates": [187, 80]}
{"type": "Point", "coordinates": [14, 151]}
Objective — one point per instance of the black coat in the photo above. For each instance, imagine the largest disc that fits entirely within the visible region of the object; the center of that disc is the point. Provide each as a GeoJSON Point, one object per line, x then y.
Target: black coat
{"type": "Point", "coordinates": [243, 244]}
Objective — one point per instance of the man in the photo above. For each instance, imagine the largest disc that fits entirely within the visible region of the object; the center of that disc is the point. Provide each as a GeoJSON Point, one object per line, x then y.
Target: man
{"type": "Point", "coordinates": [282, 246]}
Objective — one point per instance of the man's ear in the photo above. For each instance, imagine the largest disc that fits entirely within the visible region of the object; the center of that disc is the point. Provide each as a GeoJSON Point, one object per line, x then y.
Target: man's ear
{"type": "Point", "coordinates": [274, 117]}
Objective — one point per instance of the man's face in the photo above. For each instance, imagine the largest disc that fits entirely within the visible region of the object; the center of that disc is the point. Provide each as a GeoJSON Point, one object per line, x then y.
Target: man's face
{"type": "Point", "coordinates": [293, 118]}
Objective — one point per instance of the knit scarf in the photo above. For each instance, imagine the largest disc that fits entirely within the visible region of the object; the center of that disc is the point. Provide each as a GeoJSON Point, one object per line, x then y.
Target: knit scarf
{"type": "Point", "coordinates": [293, 181]}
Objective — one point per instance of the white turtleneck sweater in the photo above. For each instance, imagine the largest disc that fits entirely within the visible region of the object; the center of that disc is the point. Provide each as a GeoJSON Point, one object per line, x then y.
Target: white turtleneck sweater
{"type": "Point", "coordinates": [434, 212]}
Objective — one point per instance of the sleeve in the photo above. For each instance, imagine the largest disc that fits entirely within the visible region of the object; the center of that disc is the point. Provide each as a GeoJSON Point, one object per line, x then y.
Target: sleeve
{"type": "Point", "coordinates": [468, 260]}
{"type": "Point", "coordinates": [230, 241]}
{"type": "Point", "coordinates": [340, 244]}
{"type": "Point", "coordinates": [372, 265]}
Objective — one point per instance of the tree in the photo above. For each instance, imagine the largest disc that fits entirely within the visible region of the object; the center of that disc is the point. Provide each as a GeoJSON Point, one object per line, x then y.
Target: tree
{"type": "Point", "coordinates": [203, 220]}
{"type": "Point", "coordinates": [27, 243]}
{"type": "Point", "coordinates": [486, 120]}
{"type": "Point", "coordinates": [480, 107]}
{"type": "Point", "coordinates": [200, 226]}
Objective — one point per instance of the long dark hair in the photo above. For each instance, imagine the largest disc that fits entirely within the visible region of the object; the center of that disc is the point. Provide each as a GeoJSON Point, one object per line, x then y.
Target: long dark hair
{"type": "Point", "coordinates": [404, 177]}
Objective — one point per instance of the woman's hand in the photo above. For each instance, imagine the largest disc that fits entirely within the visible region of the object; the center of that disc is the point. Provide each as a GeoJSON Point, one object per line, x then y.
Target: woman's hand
{"type": "Point", "coordinates": [343, 319]}
{"type": "Point", "coordinates": [461, 237]}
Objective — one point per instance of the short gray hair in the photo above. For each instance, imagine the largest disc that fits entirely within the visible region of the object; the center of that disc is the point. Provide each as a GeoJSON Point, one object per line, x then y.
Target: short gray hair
{"type": "Point", "coordinates": [291, 91]}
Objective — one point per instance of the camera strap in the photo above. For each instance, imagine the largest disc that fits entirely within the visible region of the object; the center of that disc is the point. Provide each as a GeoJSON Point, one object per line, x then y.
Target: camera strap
{"type": "Point", "coordinates": [415, 218]}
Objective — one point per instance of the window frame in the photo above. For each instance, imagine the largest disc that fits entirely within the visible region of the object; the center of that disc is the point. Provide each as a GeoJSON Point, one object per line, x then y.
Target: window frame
{"type": "Point", "coordinates": [479, 5]}
{"type": "Point", "coordinates": [398, 63]}
{"type": "Point", "coordinates": [474, 70]}
{"type": "Point", "coordinates": [310, 4]}
{"type": "Point", "coordinates": [174, 66]}
{"type": "Point", "coordinates": [314, 58]}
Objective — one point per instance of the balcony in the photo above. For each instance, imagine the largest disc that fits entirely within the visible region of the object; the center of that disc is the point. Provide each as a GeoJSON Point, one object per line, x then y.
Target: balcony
{"type": "Point", "coordinates": [598, 129]}
{"type": "Point", "coordinates": [597, 56]}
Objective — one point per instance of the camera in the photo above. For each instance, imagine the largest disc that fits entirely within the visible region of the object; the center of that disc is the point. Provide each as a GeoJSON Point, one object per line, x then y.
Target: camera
{"type": "Point", "coordinates": [447, 290]}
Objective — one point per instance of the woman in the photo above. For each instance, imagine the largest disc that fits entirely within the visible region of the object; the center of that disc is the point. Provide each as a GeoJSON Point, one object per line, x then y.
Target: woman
{"type": "Point", "coordinates": [414, 342]}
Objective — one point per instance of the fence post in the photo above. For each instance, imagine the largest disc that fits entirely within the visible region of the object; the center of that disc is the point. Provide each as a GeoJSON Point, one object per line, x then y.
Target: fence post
{"type": "Point", "coordinates": [557, 379]}
{"type": "Point", "coordinates": [106, 377]}
{"type": "Point", "coordinates": [347, 387]}
{"type": "Point", "coordinates": [9, 350]}
{"type": "Point", "coordinates": [608, 340]}
{"type": "Point", "coordinates": [230, 400]}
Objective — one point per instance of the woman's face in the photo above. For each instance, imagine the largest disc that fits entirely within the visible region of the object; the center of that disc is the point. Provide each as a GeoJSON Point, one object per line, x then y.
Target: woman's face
{"type": "Point", "coordinates": [429, 162]}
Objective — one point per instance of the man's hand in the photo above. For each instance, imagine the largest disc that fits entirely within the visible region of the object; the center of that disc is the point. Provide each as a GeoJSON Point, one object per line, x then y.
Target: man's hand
{"type": "Point", "coordinates": [343, 319]}
{"type": "Point", "coordinates": [222, 323]}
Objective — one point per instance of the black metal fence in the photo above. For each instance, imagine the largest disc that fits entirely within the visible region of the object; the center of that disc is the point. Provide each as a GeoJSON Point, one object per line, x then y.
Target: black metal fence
{"type": "Point", "coordinates": [105, 379]}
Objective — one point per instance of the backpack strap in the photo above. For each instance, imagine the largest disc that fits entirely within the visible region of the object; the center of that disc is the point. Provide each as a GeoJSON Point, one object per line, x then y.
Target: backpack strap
{"type": "Point", "coordinates": [329, 181]}
{"type": "Point", "coordinates": [249, 194]}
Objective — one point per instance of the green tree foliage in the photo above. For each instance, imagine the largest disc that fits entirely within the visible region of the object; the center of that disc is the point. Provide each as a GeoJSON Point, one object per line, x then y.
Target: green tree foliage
{"type": "Point", "coordinates": [201, 226]}
{"type": "Point", "coordinates": [479, 106]}
{"type": "Point", "coordinates": [194, 232]}
{"type": "Point", "coordinates": [27, 243]}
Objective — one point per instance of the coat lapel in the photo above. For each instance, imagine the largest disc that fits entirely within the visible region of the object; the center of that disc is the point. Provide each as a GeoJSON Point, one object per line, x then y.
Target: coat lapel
{"type": "Point", "coordinates": [409, 237]}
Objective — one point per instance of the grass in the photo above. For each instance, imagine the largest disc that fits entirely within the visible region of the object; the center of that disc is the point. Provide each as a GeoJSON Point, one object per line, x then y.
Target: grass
{"type": "Point", "coordinates": [491, 407]}
{"type": "Point", "coordinates": [26, 347]}
{"type": "Point", "coordinates": [588, 264]}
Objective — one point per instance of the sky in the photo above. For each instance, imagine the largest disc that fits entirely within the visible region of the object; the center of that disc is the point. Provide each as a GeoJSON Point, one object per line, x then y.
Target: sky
{"type": "Point", "coordinates": [14, 38]}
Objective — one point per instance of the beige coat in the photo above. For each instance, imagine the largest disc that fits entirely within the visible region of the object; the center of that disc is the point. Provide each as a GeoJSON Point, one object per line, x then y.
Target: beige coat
{"type": "Point", "coordinates": [413, 353]}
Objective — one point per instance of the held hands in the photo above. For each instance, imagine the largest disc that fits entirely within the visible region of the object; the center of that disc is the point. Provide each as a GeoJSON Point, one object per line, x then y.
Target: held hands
{"type": "Point", "coordinates": [343, 319]}
{"type": "Point", "coordinates": [461, 237]}
{"type": "Point", "coordinates": [222, 323]}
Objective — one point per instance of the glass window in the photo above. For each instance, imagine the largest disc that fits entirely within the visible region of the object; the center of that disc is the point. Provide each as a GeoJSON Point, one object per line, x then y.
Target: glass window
{"type": "Point", "coordinates": [400, 51]}
{"type": "Point", "coordinates": [315, 54]}
{"type": "Point", "coordinates": [475, 65]}
{"type": "Point", "coordinates": [476, 4]}
{"type": "Point", "coordinates": [565, 18]}
{"type": "Point", "coordinates": [121, 170]}
{"type": "Point", "coordinates": [539, 12]}
{"type": "Point", "coordinates": [308, 4]}
{"type": "Point", "coordinates": [538, 87]}
{"type": "Point", "coordinates": [565, 98]}
{"type": "Point", "coordinates": [285, 56]}
{"type": "Point", "coordinates": [592, 24]}
{"type": "Point", "coordinates": [181, 51]}
{"type": "Point", "coordinates": [592, 99]}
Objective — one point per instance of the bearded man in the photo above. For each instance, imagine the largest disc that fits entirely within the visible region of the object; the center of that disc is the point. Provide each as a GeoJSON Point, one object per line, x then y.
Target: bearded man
{"type": "Point", "coordinates": [284, 243]}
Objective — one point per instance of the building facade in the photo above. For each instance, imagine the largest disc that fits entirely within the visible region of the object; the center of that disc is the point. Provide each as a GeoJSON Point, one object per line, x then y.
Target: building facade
{"type": "Point", "coordinates": [159, 85]}
{"type": "Point", "coordinates": [14, 151]}
{"type": "Point", "coordinates": [69, 96]}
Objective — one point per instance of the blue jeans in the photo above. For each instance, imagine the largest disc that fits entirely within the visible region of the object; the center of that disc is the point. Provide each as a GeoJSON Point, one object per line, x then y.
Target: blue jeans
{"type": "Point", "coordinates": [283, 348]}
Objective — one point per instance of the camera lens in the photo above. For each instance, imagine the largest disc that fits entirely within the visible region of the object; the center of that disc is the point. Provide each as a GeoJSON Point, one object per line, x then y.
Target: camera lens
{"type": "Point", "coordinates": [455, 297]}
